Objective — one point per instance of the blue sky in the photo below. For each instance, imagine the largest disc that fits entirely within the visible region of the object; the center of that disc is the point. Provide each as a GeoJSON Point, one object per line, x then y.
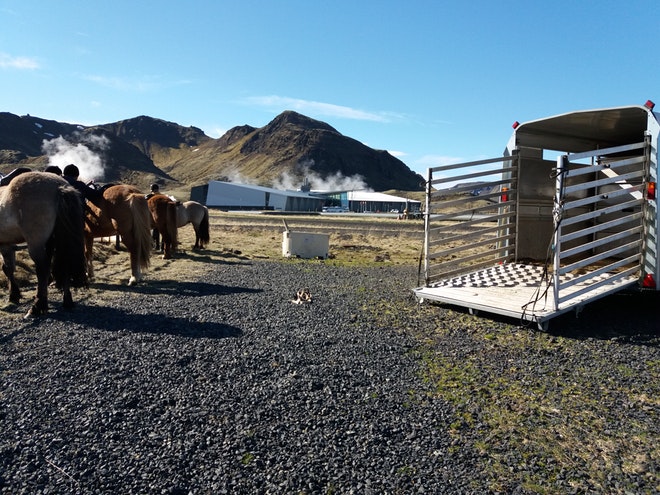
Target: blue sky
{"type": "Point", "coordinates": [432, 82]}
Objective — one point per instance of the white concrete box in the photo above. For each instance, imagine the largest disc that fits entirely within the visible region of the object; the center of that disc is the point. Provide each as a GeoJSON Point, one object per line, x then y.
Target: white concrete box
{"type": "Point", "coordinates": [305, 244]}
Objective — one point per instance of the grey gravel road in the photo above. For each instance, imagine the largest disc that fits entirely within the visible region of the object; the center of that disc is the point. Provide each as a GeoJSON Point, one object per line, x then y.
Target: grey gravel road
{"type": "Point", "coordinates": [223, 385]}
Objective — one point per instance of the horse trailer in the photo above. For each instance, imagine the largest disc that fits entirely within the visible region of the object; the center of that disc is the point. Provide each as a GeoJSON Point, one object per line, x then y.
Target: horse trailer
{"type": "Point", "coordinates": [566, 216]}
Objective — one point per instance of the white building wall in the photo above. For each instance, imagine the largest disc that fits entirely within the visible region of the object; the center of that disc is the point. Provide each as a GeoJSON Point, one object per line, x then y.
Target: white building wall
{"type": "Point", "coordinates": [277, 201]}
{"type": "Point", "coordinates": [229, 194]}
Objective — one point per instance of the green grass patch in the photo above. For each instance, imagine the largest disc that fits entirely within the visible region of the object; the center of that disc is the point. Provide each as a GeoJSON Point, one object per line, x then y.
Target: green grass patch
{"type": "Point", "coordinates": [536, 423]}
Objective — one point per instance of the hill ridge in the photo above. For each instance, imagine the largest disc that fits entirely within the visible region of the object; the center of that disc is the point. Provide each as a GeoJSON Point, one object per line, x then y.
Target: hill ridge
{"type": "Point", "coordinates": [145, 149]}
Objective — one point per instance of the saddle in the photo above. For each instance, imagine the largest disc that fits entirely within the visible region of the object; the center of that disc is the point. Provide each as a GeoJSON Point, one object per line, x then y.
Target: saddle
{"type": "Point", "coordinates": [13, 174]}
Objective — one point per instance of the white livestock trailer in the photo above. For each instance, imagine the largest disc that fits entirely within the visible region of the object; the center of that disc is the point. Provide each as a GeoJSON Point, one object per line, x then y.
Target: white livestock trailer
{"type": "Point", "coordinates": [566, 216]}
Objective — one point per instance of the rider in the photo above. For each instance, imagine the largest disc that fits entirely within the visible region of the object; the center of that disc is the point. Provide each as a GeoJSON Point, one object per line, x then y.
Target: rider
{"type": "Point", "coordinates": [71, 174]}
{"type": "Point", "coordinates": [54, 169]}
{"type": "Point", "coordinates": [154, 190]}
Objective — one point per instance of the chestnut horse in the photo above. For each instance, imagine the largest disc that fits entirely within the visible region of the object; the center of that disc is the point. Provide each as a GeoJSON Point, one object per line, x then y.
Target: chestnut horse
{"type": "Point", "coordinates": [163, 221]}
{"type": "Point", "coordinates": [198, 215]}
{"type": "Point", "coordinates": [122, 211]}
{"type": "Point", "coordinates": [42, 210]}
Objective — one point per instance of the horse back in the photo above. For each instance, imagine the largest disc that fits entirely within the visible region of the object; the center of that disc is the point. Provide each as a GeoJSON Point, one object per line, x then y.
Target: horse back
{"type": "Point", "coordinates": [28, 206]}
{"type": "Point", "coordinates": [105, 217]}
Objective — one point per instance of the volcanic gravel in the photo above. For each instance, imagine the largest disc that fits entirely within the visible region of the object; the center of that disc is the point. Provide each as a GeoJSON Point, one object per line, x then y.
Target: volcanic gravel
{"type": "Point", "coordinates": [224, 385]}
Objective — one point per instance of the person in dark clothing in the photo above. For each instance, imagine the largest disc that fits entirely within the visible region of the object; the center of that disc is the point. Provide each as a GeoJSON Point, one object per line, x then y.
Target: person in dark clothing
{"type": "Point", "coordinates": [71, 174]}
{"type": "Point", "coordinates": [154, 190]}
{"type": "Point", "coordinates": [53, 169]}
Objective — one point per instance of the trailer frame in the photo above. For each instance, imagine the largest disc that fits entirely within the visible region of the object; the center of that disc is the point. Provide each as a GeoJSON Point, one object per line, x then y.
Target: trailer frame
{"type": "Point", "coordinates": [501, 238]}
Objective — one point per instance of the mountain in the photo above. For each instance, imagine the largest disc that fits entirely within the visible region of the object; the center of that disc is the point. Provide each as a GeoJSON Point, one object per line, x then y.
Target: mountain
{"type": "Point", "coordinates": [141, 150]}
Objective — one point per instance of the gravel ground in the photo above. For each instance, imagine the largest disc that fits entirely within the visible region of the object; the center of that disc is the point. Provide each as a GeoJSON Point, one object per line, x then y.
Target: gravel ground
{"type": "Point", "coordinates": [223, 385]}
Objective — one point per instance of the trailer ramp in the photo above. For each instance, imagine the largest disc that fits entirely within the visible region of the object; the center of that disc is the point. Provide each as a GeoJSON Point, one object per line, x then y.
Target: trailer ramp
{"type": "Point", "coordinates": [521, 291]}
{"type": "Point", "coordinates": [595, 234]}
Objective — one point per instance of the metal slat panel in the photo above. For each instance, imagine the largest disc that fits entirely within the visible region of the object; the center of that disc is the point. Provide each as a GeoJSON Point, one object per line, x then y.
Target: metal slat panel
{"type": "Point", "coordinates": [597, 285]}
{"type": "Point", "coordinates": [469, 223]}
{"type": "Point", "coordinates": [601, 242]}
{"type": "Point", "coordinates": [475, 266]}
{"type": "Point", "coordinates": [599, 257]}
{"type": "Point", "coordinates": [474, 233]}
{"type": "Point", "coordinates": [473, 175]}
{"type": "Point", "coordinates": [595, 274]}
{"type": "Point", "coordinates": [600, 227]}
{"type": "Point", "coordinates": [473, 245]}
{"type": "Point", "coordinates": [610, 195]}
{"type": "Point", "coordinates": [454, 166]}
{"type": "Point", "coordinates": [600, 212]}
{"type": "Point", "coordinates": [638, 174]}
{"type": "Point", "coordinates": [606, 151]}
{"type": "Point", "coordinates": [586, 169]}
{"type": "Point", "coordinates": [441, 193]}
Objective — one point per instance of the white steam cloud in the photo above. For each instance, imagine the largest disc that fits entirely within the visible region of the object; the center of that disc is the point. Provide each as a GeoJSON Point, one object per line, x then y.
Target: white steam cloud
{"type": "Point", "coordinates": [335, 182]}
{"type": "Point", "coordinates": [61, 152]}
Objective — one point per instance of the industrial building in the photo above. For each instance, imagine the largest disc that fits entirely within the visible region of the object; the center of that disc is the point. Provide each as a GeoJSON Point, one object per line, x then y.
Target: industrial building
{"type": "Point", "coordinates": [370, 202]}
{"type": "Point", "coordinates": [234, 196]}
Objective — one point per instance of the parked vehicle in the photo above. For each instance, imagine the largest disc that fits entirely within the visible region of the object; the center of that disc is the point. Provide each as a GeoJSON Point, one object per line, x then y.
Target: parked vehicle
{"type": "Point", "coordinates": [334, 209]}
{"type": "Point", "coordinates": [570, 216]}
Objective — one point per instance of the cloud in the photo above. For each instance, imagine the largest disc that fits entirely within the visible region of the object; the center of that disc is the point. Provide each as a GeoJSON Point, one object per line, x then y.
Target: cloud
{"type": "Point", "coordinates": [397, 154]}
{"type": "Point", "coordinates": [22, 63]}
{"type": "Point", "coordinates": [217, 131]}
{"type": "Point", "coordinates": [319, 108]}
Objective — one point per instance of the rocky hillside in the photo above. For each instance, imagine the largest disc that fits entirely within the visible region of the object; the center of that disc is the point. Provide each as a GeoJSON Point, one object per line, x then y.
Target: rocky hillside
{"type": "Point", "coordinates": [142, 150]}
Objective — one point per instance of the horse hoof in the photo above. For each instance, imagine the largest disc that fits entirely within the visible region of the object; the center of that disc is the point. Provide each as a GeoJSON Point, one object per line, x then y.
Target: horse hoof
{"type": "Point", "coordinates": [34, 312]}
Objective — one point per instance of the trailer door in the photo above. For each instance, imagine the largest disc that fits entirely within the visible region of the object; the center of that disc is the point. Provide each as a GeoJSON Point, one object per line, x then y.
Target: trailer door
{"type": "Point", "coordinates": [599, 216]}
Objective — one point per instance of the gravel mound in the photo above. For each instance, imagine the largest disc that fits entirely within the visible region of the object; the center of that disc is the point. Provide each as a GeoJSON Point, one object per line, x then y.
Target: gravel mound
{"type": "Point", "coordinates": [224, 385]}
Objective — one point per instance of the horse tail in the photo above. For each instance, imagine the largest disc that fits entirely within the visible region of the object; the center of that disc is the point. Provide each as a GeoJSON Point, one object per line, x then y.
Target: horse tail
{"type": "Point", "coordinates": [141, 229]}
{"type": "Point", "coordinates": [172, 208]}
{"type": "Point", "coordinates": [69, 265]}
{"type": "Point", "coordinates": [203, 229]}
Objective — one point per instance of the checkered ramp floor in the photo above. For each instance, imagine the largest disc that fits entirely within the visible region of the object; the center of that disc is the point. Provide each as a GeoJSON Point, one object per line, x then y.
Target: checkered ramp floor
{"type": "Point", "coordinates": [508, 275]}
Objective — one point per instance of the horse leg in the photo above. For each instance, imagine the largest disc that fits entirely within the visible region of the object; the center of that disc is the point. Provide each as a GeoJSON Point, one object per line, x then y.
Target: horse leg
{"type": "Point", "coordinates": [196, 246]}
{"type": "Point", "coordinates": [89, 255]}
{"type": "Point", "coordinates": [167, 247]}
{"type": "Point", "coordinates": [136, 272]}
{"type": "Point", "coordinates": [8, 254]}
{"type": "Point", "coordinates": [155, 235]}
{"type": "Point", "coordinates": [67, 298]}
{"type": "Point", "coordinates": [166, 243]}
{"type": "Point", "coordinates": [41, 255]}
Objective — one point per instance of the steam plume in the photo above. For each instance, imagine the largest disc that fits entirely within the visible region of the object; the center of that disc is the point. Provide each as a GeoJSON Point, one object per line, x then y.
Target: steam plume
{"type": "Point", "coordinates": [335, 182]}
{"type": "Point", "coordinates": [61, 152]}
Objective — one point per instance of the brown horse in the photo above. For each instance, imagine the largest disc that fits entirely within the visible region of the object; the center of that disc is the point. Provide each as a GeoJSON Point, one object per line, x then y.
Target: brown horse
{"type": "Point", "coordinates": [122, 211]}
{"type": "Point", "coordinates": [198, 215]}
{"type": "Point", "coordinates": [163, 215]}
{"type": "Point", "coordinates": [42, 210]}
